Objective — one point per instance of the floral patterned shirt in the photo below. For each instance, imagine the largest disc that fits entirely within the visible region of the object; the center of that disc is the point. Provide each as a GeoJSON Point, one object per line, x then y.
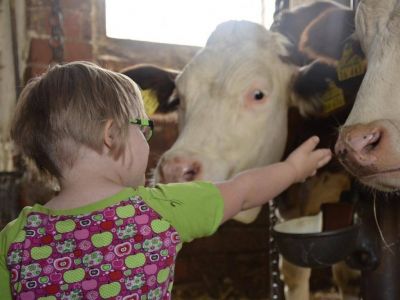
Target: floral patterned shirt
{"type": "Point", "coordinates": [122, 247]}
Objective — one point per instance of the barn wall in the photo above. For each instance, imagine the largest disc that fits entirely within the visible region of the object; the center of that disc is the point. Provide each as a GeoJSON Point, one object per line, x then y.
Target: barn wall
{"type": "Point", "coordinates": [85, 39]}
{"type": "Point", "coordinates": [7, 77]}
{"type": "Point", "coordinates": [77, 32]}
{"type": "Point", "coordinates": [232, 263]}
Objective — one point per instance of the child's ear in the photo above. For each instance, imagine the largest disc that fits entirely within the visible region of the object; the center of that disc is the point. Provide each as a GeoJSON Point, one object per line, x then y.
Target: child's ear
{"type": "Point", "coordinates": [109, 134]}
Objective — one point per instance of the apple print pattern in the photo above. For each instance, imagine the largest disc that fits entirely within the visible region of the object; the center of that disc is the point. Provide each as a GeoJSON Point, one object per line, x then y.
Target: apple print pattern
{"type": "Point", "coordinates": [125, 251]}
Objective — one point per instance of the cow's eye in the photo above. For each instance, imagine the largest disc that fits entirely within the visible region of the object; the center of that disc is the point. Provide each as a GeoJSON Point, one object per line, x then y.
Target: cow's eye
{"type": "Point", "coordinates": [258, 95]}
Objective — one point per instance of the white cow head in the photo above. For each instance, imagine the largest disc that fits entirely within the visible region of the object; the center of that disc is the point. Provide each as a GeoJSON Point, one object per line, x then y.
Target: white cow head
{"type": "Point", "coordinates": [233, 114]}
{"type": "Point", "coordinates": [369, 143]}
{"type": "Point", "coordinates": [234, 98]}
{"type": "Point", "coordinates": [233, 104]}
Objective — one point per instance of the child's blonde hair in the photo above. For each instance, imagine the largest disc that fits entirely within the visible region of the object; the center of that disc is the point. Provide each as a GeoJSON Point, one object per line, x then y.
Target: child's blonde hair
{"type": "Point", "coordinates": [67, 107]}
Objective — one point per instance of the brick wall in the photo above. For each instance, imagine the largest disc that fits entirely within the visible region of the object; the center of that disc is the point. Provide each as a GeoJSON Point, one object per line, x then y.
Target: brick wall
{"type": "Point", "coordinates": [85, 39]}
{"type": "Point", "coordinates": [77, 33]}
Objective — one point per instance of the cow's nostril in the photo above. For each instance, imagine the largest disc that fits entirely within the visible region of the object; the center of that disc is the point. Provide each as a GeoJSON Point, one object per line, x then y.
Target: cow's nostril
{"type": "Point", "coordinates": [179, 169]}
{"type": "Point", "coordinates": [373, 141]}
{"type": "Point", "coordinates": [189, 175]}
{"type": "Point", "coordinates": [376, 139]}
{"type": "Point", "coordinates": [341, 153]}
{"type": "Point", "coordinates": [359, 141]}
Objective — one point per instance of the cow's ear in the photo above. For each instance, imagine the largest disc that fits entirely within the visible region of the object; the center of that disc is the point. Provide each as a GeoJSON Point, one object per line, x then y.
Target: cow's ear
{"type": "Point", "coordinates": [158, 87]}
{"type": "Point", "coordinates": [309, 85]}
{"type": "Point", "coordinates": [325, 36]}
{"type": "Point", "coordinates": [292, 23]}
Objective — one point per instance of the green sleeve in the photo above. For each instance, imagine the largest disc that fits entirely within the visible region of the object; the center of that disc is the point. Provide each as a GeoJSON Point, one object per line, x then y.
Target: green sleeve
{"type": "Point", "coordinates": [7, 236]}
{"type": "Point", "coordinates": [195, 209]}
{"type": "Point", "coordinates": [5, 290]}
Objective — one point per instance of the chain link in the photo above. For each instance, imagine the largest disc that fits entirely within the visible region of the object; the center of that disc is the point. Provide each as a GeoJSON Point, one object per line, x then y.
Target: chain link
{"type": "Point", "coordinates": [275, 282]}
{"type": "Point", "coordinates": [280, 5]}
{"type": "Point", "coordinates": [56, 41]}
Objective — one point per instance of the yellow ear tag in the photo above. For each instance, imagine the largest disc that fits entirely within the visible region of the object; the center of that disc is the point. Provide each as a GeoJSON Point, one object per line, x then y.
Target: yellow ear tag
{"type": "Point", "coordinates": [150, 101]}
{"type": "Point", "coordinates": [333, 98]}
{"type": "Point", "coordinates": [350, 64]}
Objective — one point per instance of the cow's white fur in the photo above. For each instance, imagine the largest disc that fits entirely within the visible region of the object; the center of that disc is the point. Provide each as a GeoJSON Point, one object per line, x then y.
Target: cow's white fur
{"type": "Point", "coordinates": [378, 28]}
{"type": "Point", "coordinates": [378, 100]}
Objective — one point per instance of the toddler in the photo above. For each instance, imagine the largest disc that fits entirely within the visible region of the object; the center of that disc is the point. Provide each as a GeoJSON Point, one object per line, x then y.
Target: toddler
{"type": "Point", "coordinates": [105, 235]}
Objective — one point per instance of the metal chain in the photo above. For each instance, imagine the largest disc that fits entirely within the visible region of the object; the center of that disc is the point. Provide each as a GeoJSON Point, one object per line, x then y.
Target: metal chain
{"type": "Point", "coordinates": [56, 41]}
{"type": "Point", "coordinates": [275, 282]}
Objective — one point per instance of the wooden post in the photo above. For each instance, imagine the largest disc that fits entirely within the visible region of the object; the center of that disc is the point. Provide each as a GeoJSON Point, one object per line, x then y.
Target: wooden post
{"type": "Point", "coordinates": [7, 71]}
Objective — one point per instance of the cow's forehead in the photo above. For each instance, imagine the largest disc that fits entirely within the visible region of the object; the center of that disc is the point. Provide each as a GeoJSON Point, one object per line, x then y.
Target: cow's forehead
{"type": "Point", "coordinates": [261, 55]}
{"type": "Point", "coordinates": [236, 33]}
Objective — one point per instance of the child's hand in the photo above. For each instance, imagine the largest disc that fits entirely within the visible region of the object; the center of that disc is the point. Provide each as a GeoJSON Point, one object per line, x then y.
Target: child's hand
{"type": "Point", "coordinates": [305, 160]}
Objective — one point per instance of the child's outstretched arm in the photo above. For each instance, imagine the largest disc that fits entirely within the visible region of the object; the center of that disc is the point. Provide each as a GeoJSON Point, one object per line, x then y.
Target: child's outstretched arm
{"type": "Point", "coordinates": [257, 186]}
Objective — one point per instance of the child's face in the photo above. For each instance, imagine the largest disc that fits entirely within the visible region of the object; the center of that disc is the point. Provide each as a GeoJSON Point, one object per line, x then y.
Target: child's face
{"type": "Point", "coordinates": [135, 157]}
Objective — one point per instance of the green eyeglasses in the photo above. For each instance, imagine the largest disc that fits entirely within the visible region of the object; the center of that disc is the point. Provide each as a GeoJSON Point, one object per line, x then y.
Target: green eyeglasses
{"type": "Point", "coordinates": [146, 127]}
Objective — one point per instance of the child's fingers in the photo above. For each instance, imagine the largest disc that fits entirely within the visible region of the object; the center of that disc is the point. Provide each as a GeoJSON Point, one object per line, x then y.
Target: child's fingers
{"type": "Point", "coordinates": [324, 160]}
{"type": "Point", "coordinates": [321, 156]}
{"type": "Point", "coordinates": [310, 144]}
{"type": "Point", "coordinates": [321, 153]}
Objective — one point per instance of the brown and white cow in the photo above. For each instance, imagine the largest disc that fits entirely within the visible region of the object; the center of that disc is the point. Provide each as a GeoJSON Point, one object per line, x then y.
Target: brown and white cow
{"type": "Point", "coordinates": [234, 97]}
{"type": "Point", "coordinates": [369, 142]}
